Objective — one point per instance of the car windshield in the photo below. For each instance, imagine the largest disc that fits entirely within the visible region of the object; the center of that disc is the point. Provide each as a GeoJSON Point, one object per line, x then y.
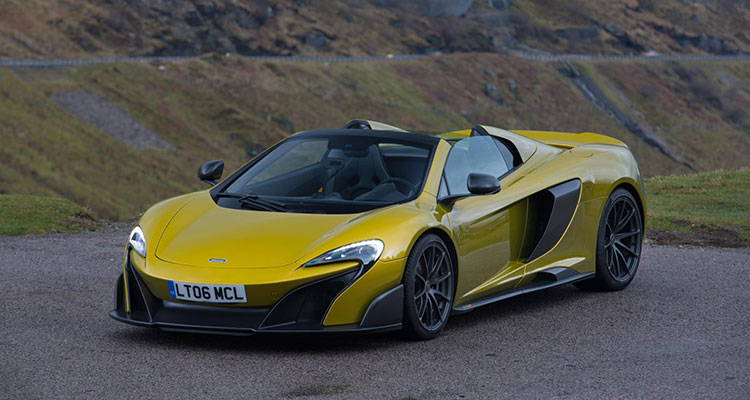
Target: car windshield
{"type": "Point", "coordinates": [332, 174]}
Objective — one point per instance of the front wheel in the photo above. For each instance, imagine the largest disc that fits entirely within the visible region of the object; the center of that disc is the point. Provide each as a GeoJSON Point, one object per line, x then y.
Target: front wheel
{"type": "Point", "coordinates": [428, 288]}
{"type": "Point", "coordinates": [618, 245]}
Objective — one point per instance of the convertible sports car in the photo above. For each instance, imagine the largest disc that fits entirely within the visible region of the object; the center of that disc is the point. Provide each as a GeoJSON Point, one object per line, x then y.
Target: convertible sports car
{"type": "Point", "coordinates": [372, 228]}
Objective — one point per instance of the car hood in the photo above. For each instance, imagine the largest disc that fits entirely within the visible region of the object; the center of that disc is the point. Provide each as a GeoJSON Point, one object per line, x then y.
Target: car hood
{"type": "Point", "coordinates": [202, 231]}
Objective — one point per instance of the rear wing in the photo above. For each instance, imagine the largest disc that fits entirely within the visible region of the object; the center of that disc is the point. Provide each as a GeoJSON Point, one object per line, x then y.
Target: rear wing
{"type": "Point", "coordinates": [570, 140]}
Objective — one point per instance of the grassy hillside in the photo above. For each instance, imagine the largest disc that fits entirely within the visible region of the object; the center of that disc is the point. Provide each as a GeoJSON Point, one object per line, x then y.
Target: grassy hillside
{"type": "Point", "coordinates": [66, 28]}
{"type": "Point", "coordinates": [711, 208]}
{"type": "Point", "coordinates": [229, 108]}
{"type": "Point", "coordinates": [28, 215]}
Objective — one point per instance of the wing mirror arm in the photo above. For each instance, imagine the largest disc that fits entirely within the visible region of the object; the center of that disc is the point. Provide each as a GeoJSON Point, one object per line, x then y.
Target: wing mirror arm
{"type": "Point", "coordinates": [211, 171]}
{"type": "Point", "coordinates": [450, 200]}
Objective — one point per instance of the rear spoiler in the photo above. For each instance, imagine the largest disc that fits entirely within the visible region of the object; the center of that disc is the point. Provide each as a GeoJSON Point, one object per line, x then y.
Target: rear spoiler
{"type": "Point", "coordinates": [567, 140]}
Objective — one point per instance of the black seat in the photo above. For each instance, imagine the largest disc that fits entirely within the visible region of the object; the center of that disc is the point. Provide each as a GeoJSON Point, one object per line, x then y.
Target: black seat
{"type": "Point", "coordinates": [358, 176]}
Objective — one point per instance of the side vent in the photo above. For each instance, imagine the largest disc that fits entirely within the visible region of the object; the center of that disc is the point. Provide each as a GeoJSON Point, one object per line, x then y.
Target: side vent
{"type": "Point", "coordinates": [549, 214]}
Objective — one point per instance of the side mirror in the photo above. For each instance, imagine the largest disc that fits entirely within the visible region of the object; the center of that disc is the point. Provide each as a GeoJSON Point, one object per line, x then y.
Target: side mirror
{"type": "Point", "coordinates": [211, 171]}
{"type": "Point", "coordinates": [482, 184]}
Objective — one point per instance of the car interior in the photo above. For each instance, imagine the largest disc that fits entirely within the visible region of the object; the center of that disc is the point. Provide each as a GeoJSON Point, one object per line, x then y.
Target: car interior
{"type": "Point", "coordinates": [381, 172]}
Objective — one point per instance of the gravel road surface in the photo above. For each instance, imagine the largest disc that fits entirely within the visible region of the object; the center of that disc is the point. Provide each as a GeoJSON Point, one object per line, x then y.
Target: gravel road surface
{"type": "Point", "coordinates": [681, 330]}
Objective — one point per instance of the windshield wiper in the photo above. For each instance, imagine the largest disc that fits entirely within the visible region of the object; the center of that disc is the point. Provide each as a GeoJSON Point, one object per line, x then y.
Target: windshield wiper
{"type": "Point", "coordinates": [253, 200]}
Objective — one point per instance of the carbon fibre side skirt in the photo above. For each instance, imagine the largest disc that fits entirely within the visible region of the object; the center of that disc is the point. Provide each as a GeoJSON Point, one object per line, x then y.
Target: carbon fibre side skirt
{"type": "Point", "coordinates": [544, 280]}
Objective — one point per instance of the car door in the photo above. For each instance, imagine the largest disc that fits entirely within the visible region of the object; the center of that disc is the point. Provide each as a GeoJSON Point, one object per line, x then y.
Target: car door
{"type": "Point", "coordinates": [482, 224]}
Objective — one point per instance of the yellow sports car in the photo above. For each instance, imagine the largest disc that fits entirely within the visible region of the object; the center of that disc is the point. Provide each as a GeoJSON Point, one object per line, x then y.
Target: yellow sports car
{"type": "Point", "coordinates": [373, 228]}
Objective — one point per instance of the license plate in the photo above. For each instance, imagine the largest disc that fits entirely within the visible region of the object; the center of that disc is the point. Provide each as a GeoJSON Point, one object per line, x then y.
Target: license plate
{"type": "Point", "coordinates": [207, 293]}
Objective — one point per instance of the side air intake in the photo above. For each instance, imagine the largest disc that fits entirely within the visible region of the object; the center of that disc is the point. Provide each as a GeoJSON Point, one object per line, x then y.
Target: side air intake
{"type": "Point", "coordinates": [553, 210]}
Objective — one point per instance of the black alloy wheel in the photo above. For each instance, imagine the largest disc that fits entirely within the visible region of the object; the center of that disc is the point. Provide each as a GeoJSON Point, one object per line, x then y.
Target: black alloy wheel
{"type": "Point", "coordinates": [619, 242]}
{"type": "Point", "coordinates": [428, 288]}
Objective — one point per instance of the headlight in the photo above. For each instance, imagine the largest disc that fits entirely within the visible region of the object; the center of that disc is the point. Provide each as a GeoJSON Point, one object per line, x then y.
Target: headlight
{"type": "Point", "coordinates": [138, 241]}
{"type": "Point", "coordinates": [367, 252]}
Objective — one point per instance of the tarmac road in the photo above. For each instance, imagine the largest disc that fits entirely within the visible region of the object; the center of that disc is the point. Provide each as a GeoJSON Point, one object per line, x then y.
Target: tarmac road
{"type": "Point", "coordinates": [681, 330]}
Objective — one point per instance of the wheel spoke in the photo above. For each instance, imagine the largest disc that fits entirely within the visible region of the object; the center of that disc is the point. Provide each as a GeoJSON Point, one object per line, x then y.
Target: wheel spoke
{"type": "Point", "coordinates": [617, 210]}
{"type": "Point", "coordinates": [616, 262]}
{"type": "Point", "coordinates": [441, 294]}
{"type": "Point", "coordinates": [431, 310]}
{"type": "Point", "coordinates": [438, 260]}
{"type": "Point", "coordinates": [441, 278]}
{"type": "Point", "coordinates": [437, 306]}
{"type": "Point", "coordinates": [613, 262]}
{"type": "Point", "coordinates": [422, 308]}
{"type": "Point", "coordinates": [624, 221]}
{"type": "Point", "coordinates": [614, 266]}
{"type": "Point", "coordinates": [622, 268]}
{"type": "Point", "coordinates": [620, 236]}
{"type": "Point", "coordinates": [418, 275]}
{"type": "Point", "coordinates": [433, 259]}
{"type": "Point", "coordinates": [423, 262]}
{"type": "Point", "coordinates": [622, 246]}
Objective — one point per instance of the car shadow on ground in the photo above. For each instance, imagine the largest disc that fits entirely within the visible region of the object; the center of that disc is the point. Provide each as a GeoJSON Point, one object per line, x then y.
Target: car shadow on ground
{"type": "Point", "coordinates": [502, 313]}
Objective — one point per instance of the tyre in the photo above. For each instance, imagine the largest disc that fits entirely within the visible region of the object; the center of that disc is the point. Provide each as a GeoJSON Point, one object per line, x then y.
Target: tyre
{"type": "Point", "coordinates": [429, 284]}
{"type": "Point", "coordinates": [618, 244]}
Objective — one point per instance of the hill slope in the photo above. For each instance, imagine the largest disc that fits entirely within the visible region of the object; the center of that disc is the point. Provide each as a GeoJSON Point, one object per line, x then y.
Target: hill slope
{"type": "Point", "coordinates": [66, 28]}
{"type": "Point", "coordinates": [230, 108]}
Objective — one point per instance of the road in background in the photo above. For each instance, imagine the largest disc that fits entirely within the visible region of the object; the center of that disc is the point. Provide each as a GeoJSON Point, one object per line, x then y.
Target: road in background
{"type": "Point", "coordinates": [681, 330]}
{"type": "Point", "coordinates": [56, 63]}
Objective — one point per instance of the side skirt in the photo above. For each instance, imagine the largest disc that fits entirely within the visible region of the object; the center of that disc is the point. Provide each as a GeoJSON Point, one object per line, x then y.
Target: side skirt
{"type": "Point", "coordinates": [544, 279]}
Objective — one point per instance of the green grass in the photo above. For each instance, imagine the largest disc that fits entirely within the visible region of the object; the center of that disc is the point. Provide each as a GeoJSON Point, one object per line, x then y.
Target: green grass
{"type": "Point", "coordinates": [707, 208]}
{"type": "Point", "coordinates": [715, 205]}
{"type": "Point", "coordinates": [30, 215]}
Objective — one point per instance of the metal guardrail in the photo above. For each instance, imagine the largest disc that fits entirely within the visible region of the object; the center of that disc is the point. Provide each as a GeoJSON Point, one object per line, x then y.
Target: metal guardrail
{"type": "Point", "coordinates": [336, 59]}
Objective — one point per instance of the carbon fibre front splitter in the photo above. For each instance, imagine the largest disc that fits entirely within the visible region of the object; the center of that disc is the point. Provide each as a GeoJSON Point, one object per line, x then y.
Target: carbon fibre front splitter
{"type": "Point", "coordinates": [121, 316]}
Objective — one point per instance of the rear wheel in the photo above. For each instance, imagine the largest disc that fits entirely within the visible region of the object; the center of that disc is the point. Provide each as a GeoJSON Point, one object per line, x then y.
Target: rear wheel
{"type": "Point", "coordinates": [428, 288]}
{"type": "Point", "coordinates": [618, 245]}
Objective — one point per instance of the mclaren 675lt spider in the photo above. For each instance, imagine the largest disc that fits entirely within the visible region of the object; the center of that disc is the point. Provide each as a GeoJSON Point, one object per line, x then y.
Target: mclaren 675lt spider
{"type": "Point", "coordinates": [373, 228]}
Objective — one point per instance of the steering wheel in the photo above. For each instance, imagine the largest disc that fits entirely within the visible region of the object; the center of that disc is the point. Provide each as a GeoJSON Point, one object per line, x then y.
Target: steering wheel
{"type": "Point", "coordinates": [399, 181]}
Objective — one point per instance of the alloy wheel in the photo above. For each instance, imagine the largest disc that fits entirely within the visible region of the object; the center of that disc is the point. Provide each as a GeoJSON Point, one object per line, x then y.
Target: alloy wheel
{"type": "Point", "coordinates": [433, 286]}
{"type": "Point", "coordinates": [622, 239]}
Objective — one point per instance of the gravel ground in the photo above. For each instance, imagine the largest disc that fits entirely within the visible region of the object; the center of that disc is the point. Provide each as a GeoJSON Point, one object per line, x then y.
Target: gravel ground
{"type": "Point", "coordinates": [681, 330]}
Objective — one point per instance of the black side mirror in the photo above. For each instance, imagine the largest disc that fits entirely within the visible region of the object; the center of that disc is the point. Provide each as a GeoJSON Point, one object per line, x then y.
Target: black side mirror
{"type": "Point", "coordinates": [482, 184]}
{"type": "Point", "coordinates": [211, 171]}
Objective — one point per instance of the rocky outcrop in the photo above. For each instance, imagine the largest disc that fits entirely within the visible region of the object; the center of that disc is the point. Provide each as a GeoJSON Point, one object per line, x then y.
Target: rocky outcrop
{"type": "Point", "coordinates": [316, 39]}
{"type": "Point", "coordinates": [491, 90]}
{"type": "Point", "coordinates": [501, 5]}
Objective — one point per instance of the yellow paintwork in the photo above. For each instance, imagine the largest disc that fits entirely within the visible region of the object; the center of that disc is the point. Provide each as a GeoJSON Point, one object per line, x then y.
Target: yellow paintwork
{"type": "Point", "coordinates": [265, 251]}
